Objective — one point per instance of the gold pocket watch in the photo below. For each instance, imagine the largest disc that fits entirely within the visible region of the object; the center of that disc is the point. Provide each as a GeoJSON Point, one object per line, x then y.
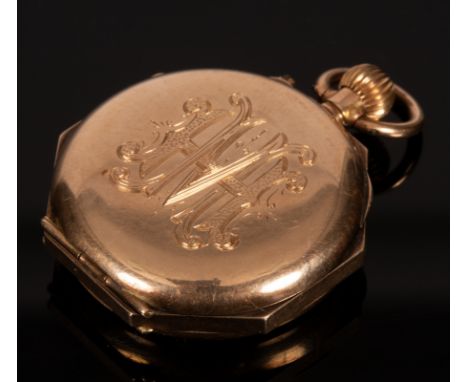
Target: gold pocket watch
{"type": "Point", "coordinates": [218, 203]}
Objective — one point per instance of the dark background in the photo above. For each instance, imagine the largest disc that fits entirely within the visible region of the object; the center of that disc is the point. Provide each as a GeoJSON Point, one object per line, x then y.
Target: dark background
{"type": "Point", "coordinates": [74, 55]}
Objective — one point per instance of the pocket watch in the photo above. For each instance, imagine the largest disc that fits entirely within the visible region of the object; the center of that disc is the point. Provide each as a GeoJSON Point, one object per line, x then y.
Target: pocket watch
{"type": "Point", "coordinates": [218, 203]}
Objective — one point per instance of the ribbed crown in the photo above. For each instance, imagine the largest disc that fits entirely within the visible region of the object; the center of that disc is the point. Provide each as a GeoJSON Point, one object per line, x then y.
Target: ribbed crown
{"type": "Point", "coordinates": [373, 86]}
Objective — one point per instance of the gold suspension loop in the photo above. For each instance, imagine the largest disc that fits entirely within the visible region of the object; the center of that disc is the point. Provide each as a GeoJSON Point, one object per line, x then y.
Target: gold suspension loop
{"type": "Point", "coordinates": [364, 95]}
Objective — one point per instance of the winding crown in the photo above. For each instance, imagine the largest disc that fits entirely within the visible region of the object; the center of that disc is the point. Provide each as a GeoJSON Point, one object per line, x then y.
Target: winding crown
{"type": "Point", "coordinates": [374, 88]}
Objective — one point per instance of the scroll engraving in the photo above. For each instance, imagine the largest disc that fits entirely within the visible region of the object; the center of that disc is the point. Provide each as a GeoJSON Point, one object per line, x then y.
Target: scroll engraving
{"type": "Point", "coordinates": [239, 169]}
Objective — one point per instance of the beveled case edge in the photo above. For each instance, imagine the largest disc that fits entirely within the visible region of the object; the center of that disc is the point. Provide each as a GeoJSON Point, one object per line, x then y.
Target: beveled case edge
{"type": "Point", "coordinates": [260, 322]}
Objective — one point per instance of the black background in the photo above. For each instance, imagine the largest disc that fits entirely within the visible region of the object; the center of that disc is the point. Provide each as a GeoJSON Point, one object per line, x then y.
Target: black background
{"type": "Point", "coordinates": [74, 55]}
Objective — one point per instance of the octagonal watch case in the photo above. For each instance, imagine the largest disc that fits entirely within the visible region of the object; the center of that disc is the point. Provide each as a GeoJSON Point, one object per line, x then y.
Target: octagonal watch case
{"type": "Point", "coordinates": [218, 203]}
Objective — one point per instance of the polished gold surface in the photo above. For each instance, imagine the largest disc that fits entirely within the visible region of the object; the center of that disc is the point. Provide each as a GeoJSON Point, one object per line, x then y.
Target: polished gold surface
{"type": "Point", "coordinates": [365, 95]}
{"type": "Point", "coordinates": [209, 201]}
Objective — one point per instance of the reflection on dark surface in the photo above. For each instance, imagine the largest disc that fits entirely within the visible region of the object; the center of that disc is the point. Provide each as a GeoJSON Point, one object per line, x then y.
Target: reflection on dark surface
{"type": "Point", "coordinates": [383, 175]}
{"type": "Point", "coordinates": [284, 353]}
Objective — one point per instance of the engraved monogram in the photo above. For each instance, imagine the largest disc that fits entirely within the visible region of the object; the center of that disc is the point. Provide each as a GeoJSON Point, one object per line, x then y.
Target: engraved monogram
{"type": "Point", "coordinates": [237, 171]}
